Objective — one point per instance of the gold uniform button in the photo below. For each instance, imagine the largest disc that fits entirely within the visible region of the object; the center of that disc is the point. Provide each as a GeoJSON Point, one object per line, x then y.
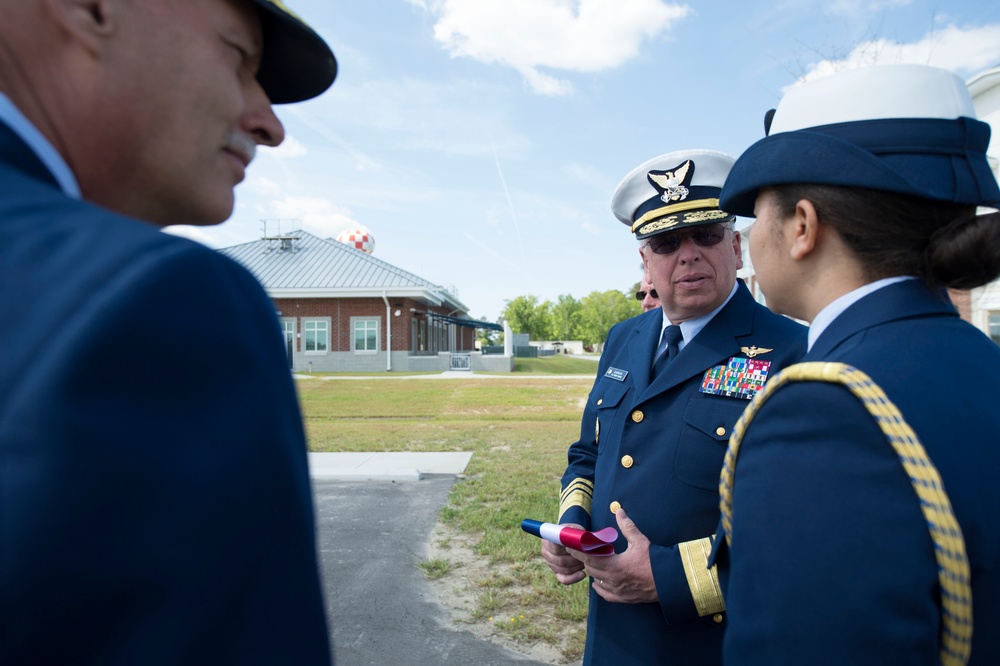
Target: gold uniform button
{"type": "Point", "coordinates": [638, 416]}
{"type": "Point", "coordinates": [600, 400]}
{"type": "Point", "coordinates": [717, 618]}
{"type": "Point", "coordinates": [720, 431]}
{"type": "Point", "coordinates": [615, 506]}
{"type": "Point", "coordinates": [627, 461]}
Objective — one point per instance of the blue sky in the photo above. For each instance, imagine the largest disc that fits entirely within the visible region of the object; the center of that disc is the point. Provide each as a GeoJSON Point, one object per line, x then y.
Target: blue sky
{"type": "Point", "coordinates": [480, 141]}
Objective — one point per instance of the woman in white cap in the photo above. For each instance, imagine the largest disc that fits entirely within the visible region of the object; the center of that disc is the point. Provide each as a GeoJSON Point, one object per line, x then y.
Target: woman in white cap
{"type": "Point", "coordinates": [860, 504]}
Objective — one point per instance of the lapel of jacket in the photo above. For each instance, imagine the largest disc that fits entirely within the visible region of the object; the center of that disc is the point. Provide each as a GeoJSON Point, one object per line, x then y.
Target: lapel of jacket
{"type": "Point", "coordinates": [714, 344]}
{"type": "Point", "coordinates": [642, 348]}
{"type": "Point", "coordinates": [16, 153]}
{"type": "Point", "coordinates": [902, 300]}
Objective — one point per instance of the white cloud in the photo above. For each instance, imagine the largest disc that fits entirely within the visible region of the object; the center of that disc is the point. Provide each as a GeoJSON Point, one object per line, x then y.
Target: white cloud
{"type": "Point", "coordinates": [290, 147]}
{"type": "Point", "coordinates": [262, 186]}
{"type": "Point", "coordinates": [569, 35]}
{"type": "Point", "coordinates": [197, 234]}
{"type": "Point", "coordinates": [319, 216]}
{"type": "Point", "coordinates": [964, 51]}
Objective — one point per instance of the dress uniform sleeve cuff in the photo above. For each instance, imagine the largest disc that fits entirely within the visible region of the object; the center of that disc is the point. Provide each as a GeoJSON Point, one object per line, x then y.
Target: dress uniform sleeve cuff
{"type": "Point", "coordinates": [576, 501]}
{"type": "Point", "coordinates": [576, 516]}
{"type": "Point", "coordinates": [702, 580]}
{"type": "Point", "coordinates": [687, 588]}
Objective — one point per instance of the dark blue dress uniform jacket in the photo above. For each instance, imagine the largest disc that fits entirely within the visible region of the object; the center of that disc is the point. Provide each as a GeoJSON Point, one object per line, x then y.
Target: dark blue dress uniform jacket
{"type": "Point", "coordinates": [675, 439]}
{"type": "Point", "coordinates": [155, 504]}
{"type": "Point", "coordinates": [832, 561]}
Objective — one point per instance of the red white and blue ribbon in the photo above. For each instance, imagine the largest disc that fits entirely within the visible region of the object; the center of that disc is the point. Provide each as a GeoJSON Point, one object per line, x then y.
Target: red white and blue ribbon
{"type": "Point", "coordinates": [592, 543]}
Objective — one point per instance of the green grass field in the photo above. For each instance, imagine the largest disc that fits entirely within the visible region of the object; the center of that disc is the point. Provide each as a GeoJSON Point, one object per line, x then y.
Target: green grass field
{"type": "Point", "coordinates": [556, 365]}
{"type": "Point", "coordinates": [518, 428]}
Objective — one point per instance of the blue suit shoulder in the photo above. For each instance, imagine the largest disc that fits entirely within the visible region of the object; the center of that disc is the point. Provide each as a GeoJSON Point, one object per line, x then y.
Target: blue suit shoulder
{"type": "Point", "coordinates": [162, 360]}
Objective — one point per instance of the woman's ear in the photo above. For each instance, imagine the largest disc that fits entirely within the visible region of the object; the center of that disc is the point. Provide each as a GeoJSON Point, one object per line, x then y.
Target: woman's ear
{"type": "Point", "coordinates": [804, 230]}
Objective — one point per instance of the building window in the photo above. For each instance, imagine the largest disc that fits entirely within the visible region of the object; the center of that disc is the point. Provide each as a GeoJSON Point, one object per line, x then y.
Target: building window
{"type": "Point", "coordinates": [365, 335]}
{"type": "Point", "coordinates": [419, 336]}
{"type": "Point", "coordinates": [995, 327]}
{"type": "Point", "coordinates": [317, 335]}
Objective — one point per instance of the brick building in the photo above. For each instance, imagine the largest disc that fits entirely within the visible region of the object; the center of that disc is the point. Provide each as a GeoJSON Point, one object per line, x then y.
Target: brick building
{"type": "Point", "coordinates": [341, 309]}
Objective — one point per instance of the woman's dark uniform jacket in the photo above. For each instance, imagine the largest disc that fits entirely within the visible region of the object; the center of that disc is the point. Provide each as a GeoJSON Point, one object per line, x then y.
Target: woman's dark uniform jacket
{"type": "Point", "coordinates": [814, 445]}
{"type": "Point", "coordinates": [155, 504]}
{"type": "Point", "coordinates": [658, 453]}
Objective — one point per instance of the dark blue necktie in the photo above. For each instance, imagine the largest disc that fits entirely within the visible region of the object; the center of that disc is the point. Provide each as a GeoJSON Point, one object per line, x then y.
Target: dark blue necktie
{"type": "Point", "coordinates": [669, 346]}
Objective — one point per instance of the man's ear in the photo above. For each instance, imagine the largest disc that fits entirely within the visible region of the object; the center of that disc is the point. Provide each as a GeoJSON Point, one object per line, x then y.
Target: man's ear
{"type": "Point", "coordinates": [738, 249]}
{"type": "Point", "coordinates": [645, 269]}
{"type": "Point", "coordinates": [645, 264]}
{"type": "Point", "coordinates": [804, 230]}
{"type": "Point", "coordinates": [88, 22]}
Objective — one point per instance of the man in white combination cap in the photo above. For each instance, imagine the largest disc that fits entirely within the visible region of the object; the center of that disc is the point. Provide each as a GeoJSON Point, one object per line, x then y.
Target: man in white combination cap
{"type": "Point", "coordinates": [671, 385]}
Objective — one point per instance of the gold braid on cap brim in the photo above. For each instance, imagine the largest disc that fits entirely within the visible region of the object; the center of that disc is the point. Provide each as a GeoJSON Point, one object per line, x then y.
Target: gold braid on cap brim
{"type": "Point", "coordinates": [663, 211]}
{"type": "Point", "coordinates": [949, 544]}
{"type": "Point", "coordinates": [690, 218]}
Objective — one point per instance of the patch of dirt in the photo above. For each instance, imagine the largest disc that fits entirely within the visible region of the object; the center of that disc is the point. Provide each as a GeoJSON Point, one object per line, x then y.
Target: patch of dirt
{"type": "Point", "coordinates": [456, 593]}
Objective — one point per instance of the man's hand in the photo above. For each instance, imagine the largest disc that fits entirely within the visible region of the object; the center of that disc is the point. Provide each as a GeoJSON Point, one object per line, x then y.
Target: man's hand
{"type": "Point", "coordinates": [625, 578]}
{"type": "Point", "coordinates": [567, 568]}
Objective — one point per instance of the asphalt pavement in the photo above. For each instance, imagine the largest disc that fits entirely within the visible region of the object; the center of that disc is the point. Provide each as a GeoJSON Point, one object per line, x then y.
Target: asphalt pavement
{"type": "Point", "coordinates": [382, 611]}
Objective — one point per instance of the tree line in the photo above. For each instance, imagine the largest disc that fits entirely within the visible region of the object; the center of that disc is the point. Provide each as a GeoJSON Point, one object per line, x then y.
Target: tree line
{"type": "Point", "coordinates": [588, 319]}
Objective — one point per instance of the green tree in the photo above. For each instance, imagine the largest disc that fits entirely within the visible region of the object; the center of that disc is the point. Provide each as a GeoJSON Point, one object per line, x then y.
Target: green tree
{"type": "Point", "coordinates": [565, 318]}
{"type": "Point", "coordinates": [526, 315]}
{"type": "Point", "coordinates": [488, 336]}
{"type": "Point", "coordinates": [600, 310]}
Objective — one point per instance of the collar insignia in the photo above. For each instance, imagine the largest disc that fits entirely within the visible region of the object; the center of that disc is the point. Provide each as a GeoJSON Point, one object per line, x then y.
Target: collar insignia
{"type": "Point", "coordinates": [754, 350]}
{"type": "Point", "coordinates": [672, 184]}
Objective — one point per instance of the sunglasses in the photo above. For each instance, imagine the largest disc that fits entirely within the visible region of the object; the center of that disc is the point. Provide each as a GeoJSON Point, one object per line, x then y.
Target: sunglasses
{"type": "Point", "coordinates": [641, 295]}
{"type": "Point", "coordinates": [706, 236]}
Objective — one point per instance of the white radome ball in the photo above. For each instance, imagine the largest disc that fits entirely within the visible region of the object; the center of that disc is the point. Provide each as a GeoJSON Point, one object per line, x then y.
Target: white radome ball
{"type": "Point", "coordinates": [359, 239]}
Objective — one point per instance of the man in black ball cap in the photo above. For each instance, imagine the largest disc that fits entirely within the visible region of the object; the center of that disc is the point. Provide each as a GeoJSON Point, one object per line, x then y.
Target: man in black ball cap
{"type": "Point", "coordinates": [155, 504]}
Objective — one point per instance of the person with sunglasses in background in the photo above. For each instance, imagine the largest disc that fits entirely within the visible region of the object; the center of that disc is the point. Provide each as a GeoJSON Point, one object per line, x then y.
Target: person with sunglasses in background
{"type": "Point", "coordinates": [671, 384]}
{"type": "Point", "coordinates": [647, 296]}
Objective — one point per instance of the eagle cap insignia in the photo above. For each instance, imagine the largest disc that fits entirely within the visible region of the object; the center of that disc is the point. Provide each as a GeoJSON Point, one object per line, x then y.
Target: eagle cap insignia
{"type": "Point", "coordinates": [672, 184]}
{"type": "Point", "coordinates": [754, 350]}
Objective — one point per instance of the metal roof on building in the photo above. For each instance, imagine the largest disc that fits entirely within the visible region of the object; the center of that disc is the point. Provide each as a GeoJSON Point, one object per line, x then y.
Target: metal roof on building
{"type": "Point", "coordinates": [299, 264]}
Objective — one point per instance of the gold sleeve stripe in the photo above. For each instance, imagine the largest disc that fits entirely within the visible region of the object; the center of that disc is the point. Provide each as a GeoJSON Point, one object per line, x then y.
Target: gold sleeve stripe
{"type": "Point", "coordinates": [949, 543]}
{"type": "Point", "coordinates": [578, 485]}
{"type": "Point", "coordinates": [703, 582]}
{"type": "Point", "coordinates": [578, 493]}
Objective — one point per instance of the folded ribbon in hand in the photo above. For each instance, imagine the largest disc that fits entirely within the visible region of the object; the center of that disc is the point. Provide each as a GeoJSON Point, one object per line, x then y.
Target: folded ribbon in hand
{"type": "Point", "coordinates": [593, 543]}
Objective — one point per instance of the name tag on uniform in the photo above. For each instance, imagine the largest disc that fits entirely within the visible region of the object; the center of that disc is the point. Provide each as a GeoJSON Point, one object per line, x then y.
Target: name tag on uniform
{"type": "Point", "coordinates": [739, 378]}
{"type": "Point", "coordinates": [616, 374]}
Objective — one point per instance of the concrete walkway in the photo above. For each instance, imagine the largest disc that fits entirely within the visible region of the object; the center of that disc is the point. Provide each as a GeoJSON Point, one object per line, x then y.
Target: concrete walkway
{"type": "Point", "coordinates": [371, 538]}
{"type": "Point", "coordinates": [382, 611]}
{"type": "Point", "coordinates": [394, 466]}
